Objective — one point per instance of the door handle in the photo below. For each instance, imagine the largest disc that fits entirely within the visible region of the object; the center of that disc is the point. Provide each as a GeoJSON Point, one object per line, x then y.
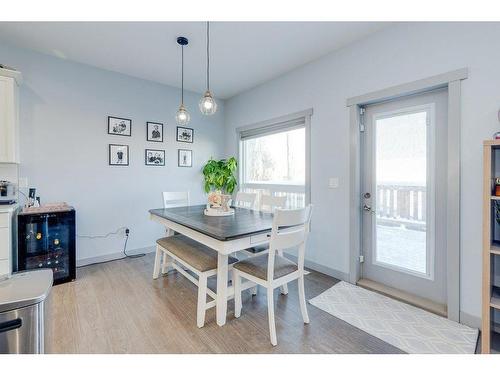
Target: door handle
{"type": "Point", "coordinates": [368, 208]}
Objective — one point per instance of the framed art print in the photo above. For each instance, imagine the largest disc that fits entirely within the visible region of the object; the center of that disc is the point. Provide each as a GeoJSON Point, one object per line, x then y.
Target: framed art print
{"type": "Point", "coordinates": [155, 157]}
{"type": "Point", "coordinates": [119, 126]}
{"type": "Point", "coordinates": [154, 131]}
{"type": "Point", "coordinates": [185, 134]}
{"type": "Point", "coordinates": [118, 155]}
{"type": "Point", "coordinates": [185, 158]}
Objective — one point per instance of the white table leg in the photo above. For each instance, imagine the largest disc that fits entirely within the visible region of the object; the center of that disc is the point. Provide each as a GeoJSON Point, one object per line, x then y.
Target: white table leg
{"type": "Point", "coordinates": [166, 262]}
{"type": "Point", "coordinates": [222, 270]}
{"type": "Point", "coordinates": [156, 268]}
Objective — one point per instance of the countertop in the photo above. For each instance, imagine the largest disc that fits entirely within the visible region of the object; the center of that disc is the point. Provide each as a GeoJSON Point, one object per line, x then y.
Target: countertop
{"type": "Point", "coordinates": [24, 289]}
{"type": "Point", "coordinates": [8, 207]}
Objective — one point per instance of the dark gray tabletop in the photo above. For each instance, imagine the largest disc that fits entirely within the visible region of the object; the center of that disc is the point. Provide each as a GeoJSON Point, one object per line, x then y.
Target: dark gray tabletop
{"type": "Point", "coordinates": [243, 223]}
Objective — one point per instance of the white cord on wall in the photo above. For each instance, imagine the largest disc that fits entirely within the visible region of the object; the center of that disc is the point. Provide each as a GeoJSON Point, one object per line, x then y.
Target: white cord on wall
{"type": "Point", "coordinates": [125, 255]}
{"type": "Point", "coordinates": [121, 229]}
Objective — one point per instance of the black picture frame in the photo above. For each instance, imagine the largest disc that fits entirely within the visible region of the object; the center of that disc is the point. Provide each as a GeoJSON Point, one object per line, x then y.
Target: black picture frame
{"type": "Point", "coordinates": [112, 123]}
{"type": "Point", "coordinates": [152, 163]}
{"type": "Point", "coordinates": [110, 147]}
{"type": "Point", "coordinates": [181, 134]}
{"type": "Point", "coordinates": [150, 123]}
{"type": "Point", "coordinates": [190, 152]}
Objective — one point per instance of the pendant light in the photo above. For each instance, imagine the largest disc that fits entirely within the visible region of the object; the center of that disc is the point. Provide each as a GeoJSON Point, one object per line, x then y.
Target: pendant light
{"type": "Point", "coordinates": [182, 116]}
{"type": "Point", "coordinates": [208, 106]}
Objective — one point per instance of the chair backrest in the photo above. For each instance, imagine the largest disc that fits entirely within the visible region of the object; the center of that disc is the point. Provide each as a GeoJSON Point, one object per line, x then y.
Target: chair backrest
{"type": "Point", "coordinates": [173, 199]}
{"type": "Point", "coordinates": [245, 200]}
{"type": "Point", "coordinates": [269, 203]}
{"type": "Point", "coordinates": [290, 230]}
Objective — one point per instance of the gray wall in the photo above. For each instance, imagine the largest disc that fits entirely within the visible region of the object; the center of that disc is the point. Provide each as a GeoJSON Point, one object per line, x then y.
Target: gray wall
{"type": "Point", "coordinates": [397, 55]}
{"type": "Point", "coordinates": [64, 146]}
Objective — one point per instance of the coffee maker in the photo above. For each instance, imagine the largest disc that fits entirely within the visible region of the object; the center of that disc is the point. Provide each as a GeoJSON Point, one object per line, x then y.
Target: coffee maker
{"type": "Point", "coordinates": [8, 194]}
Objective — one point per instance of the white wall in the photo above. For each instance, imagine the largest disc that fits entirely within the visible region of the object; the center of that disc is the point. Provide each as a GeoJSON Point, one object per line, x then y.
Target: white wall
{"type": "Point", "coordinates": [396, 55]}
{"type": "Point", "coordinates": [64, 146]}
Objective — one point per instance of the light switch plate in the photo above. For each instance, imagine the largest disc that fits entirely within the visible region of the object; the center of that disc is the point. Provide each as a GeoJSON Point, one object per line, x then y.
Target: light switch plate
{"type": "Point", "coordinates": [23, 182]}
{"type": "Point", "coordinates": [333, 182]}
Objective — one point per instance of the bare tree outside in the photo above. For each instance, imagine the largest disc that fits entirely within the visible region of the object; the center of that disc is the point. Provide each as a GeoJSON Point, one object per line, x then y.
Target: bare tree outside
{"type": "Point", "coordinates": [276, 158]}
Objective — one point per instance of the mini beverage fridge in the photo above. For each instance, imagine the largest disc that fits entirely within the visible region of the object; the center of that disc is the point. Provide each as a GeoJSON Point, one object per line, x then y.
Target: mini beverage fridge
{"type": "Point", "coordinates": [48, 240]}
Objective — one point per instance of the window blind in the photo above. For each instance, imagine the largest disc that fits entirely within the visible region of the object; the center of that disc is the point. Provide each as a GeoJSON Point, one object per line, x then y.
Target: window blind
{"type": "Point", "coordinates": [273, 128]}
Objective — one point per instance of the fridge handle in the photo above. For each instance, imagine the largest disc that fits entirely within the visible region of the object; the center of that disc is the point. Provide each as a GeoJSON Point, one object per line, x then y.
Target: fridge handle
{"type": "Point", "coordinates": [11, 325]}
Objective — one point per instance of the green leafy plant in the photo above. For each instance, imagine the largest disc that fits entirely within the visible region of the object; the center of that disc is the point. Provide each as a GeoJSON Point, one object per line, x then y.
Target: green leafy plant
{"type": "Point", "coordinates": [219, 175]}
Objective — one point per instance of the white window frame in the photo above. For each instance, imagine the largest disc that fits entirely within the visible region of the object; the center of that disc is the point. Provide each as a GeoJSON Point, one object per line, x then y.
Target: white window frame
{"type": "Point", "coordinates": [281, 124]}
{"type": "Point", "coordinates": [431, 191]}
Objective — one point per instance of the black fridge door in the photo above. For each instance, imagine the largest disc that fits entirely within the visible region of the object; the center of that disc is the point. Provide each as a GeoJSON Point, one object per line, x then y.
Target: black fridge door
{"type": "Point", "coordinates": [48, 241]}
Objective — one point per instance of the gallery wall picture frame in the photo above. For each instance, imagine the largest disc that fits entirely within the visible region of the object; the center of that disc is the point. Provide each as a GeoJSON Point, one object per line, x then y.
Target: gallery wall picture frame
{"type": "Point", "coordinates": [119, 126]}
{"type": "Point", "coordinates": [118, 155]}
{"type": "Point", "coordinates": [154, 157]}
{"type": "Point", "coordinates": [185, 158]}
{"type": "Point", "coordinates": [185, 134]}
{"type": "Point", "coordinates": [154, 131]}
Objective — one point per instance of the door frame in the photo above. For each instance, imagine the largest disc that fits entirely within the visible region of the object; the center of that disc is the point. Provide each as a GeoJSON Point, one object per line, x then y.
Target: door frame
{"type": "Point", "coordinates": [452, 81]}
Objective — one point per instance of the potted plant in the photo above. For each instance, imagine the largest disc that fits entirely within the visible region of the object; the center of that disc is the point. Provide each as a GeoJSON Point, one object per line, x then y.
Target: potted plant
{"type": "Point", "coordinates": [220, 181]}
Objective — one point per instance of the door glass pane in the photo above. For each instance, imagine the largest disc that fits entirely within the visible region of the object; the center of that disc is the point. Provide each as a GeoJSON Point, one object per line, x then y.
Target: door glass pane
{"type": "Point", "coordinates": [401, 191]}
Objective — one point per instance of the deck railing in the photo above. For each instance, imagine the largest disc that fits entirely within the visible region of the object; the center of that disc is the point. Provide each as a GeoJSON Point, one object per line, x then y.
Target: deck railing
{"type": "Point", "coordinates": [295, 194]}
{"type": "Point", "coordinates": [397, 204]}
{"type": "Point", "coordinates": [402, 204]}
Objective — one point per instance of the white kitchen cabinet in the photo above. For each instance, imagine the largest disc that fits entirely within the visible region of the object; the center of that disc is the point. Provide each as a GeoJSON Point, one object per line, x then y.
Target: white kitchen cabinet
{"type": "Point", "coordinates": [9, 115]}
{"type": "Point", "coordinates": [8, 234]}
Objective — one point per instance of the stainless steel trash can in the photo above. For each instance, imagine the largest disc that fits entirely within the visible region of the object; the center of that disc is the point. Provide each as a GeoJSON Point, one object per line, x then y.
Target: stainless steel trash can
{"type": "Point", "coordinates": [22, 311]}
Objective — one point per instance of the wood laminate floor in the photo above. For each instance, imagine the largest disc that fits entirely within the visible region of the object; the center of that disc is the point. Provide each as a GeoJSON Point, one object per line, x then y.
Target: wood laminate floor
{"type": "Point", "coordinates": [117, 307]}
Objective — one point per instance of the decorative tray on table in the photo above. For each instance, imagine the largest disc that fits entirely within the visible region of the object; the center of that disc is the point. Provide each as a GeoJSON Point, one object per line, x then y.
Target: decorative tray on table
{"type": "Point", "coordinates": [209, 211]}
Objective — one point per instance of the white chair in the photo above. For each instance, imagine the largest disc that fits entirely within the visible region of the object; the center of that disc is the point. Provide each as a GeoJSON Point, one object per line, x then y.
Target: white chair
{"type": "Point", "coordinates": [171, 199]}
{"type": "Point", "coordinates": [268, 203]}
{"type": "Point", "coordinates": [245, 200]}
{"type": "Point", "coordinates": [290, 229]}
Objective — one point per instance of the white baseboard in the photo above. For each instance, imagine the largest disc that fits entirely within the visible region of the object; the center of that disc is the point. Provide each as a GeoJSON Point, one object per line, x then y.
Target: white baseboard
{"type": "Point", "coordinates": [112, 256]}
{"type": "Point", "coordinates": [321, 268]}
{"type": "Point", "coordinates": [470, 320]}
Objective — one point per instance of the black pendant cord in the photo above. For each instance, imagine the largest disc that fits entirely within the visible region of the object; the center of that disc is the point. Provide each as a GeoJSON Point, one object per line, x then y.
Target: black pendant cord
{"type": "Point", "coordinates": [208, 56]}
{"type": "Point", "coordinates": [182, 75]}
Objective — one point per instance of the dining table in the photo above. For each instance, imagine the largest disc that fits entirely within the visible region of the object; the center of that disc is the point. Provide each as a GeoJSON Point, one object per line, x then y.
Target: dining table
{"type": "Point", "coordinates": [244, 229]}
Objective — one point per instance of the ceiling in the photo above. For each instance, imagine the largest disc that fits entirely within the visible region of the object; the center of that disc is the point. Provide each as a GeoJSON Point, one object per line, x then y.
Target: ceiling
{"type": "Point", "coordinates": [243, 54]}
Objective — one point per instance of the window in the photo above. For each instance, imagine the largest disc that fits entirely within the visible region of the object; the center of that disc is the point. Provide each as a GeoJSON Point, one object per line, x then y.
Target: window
{"type": "Point", "coordinates": [273, 160]}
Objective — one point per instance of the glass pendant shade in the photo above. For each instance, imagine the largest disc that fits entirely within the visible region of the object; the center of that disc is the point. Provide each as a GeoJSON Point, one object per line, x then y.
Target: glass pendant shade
{"type": "Point", "coordinates": [182, 116]}
{"type": "Point", "coordinates": [208, 106]}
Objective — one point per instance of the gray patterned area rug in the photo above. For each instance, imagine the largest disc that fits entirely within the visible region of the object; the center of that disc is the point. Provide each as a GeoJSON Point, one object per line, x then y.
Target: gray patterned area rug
{"type": "Point", "coordinates": [406, 327]}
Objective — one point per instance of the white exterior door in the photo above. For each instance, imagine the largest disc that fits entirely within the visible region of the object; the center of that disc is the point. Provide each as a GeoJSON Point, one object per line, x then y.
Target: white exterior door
{"type": "Point", "coordinates": [404, 194]}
